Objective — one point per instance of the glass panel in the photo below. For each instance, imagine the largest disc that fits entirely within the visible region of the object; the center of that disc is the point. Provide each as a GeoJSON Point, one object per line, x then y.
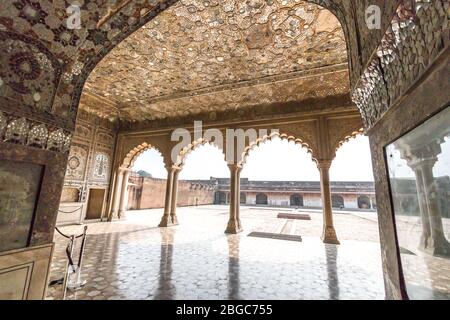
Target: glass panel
{"type": "Point", "coordinates": [419, 170]}
{"type": "Point", "coordinates": [19, 187]}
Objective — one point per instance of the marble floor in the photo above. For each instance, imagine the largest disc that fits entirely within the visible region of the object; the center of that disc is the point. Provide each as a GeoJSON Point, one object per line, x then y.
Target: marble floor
{"type": "Point", "coordinates": [134, 259]}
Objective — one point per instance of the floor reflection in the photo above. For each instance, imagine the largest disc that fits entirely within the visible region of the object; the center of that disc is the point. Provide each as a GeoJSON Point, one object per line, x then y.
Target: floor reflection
{"type": "Point", "coordinates": [166, 290]}
{"type": "Point", "coordinates": [233, 267]}
{"type": "Point", "coordinates": [331, 252]}
{"type": "Point", "coordinates": [133, 259]}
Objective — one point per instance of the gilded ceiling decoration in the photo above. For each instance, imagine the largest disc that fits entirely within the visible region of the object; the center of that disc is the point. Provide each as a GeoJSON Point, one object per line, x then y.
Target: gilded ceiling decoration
{"type": "Point", "coordinates": [208, 56]}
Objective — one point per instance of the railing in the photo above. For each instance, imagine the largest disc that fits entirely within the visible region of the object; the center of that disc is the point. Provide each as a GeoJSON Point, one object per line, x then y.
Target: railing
{"type": "Point", "coordinates": [71, 268]}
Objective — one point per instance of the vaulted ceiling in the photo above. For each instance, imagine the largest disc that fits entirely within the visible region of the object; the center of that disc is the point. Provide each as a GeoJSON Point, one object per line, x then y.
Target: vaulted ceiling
{"type": "Point", "coordinates": [210, 56]}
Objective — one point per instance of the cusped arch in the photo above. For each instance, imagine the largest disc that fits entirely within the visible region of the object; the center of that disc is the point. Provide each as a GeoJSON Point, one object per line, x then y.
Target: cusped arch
{"type": "Point", "coordinates": [182, 155]}
{"type": "Point", "coordinates": [134, 153]}
{"type": "Point", "coordinates": [269, 137]}
{"type": "Point", "coordinates": [347, 138]}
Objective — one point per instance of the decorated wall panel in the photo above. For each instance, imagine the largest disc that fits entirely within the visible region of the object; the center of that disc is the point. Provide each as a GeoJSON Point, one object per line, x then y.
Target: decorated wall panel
{"type": "Point", "coordinates": [418, 34]}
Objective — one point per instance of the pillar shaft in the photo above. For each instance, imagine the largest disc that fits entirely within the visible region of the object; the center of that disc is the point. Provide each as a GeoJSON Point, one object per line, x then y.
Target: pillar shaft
{"type": "Point", "coordinates": [329, 233]}
{"type": "Point", "coordinates": [124, 194]}
{"type": "Point", "coordinates": [166, 220]}
{"type": "Point", "coordinates": [116, 195]}
{"type": "Point", "coordinates": [439, 244]}
{"type": "Point", "coordinates": [426, 231]}
{"type": "Point", "coordinates": [234, 225]}
{"type": "Point", "coordinates": [173, 205]}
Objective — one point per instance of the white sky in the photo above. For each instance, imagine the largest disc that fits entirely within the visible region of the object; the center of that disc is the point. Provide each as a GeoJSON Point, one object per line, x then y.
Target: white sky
{"type": "Point", "coordinates": [273, 160]}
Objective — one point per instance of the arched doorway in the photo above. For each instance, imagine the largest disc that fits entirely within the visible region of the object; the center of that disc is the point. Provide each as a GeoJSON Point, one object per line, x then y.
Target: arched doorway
{"type": "Point", "coordinates": [261, 198]}
{"type": "Point", "coordinates": [337, 201]}
{"type": "Point", "coordinates": [147, 181]}
{"type": "Point", "coordinates": [243, 198]}
{"type": "Point", "coordinates": [221, 197]}
{"type": "Point", "coordinates": [296, 200]}
{"type": "Point", "coordinates": [364, 202]}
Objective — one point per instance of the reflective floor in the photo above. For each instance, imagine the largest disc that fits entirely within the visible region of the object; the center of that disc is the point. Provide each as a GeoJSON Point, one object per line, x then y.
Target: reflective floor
{"type": "Point", "coordinates": [134, 259]}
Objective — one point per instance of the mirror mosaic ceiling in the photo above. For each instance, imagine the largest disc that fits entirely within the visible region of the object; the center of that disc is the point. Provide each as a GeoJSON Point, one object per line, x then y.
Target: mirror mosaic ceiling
{"type": "Point", "coordinates": [210, 56]}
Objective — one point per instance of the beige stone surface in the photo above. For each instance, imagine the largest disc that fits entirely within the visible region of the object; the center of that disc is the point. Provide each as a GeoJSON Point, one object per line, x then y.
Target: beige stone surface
{"type": "Point", "coordinates": [134, 259]}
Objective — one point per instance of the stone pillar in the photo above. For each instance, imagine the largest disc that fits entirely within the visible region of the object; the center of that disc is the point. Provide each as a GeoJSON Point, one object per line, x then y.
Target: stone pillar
{"type": "Point", "coordinates": [166, 220]}
{"type": "Point", "coordinates": [421, 159]}
{"type": "Point", "coordinates": [173, 204]}
{"type": "Point", "coordinates": [438, 244]}
{"type": "Point", "coordinates": [329, 234]}
{"type": "Point", "coordinates": [124, 194]}
{"type": "Point", "coordinates": [116, 195]}
{"type": "Point", "coordinates": [426, 231]}
{"type": "Point", "coordinates": [234, 224]}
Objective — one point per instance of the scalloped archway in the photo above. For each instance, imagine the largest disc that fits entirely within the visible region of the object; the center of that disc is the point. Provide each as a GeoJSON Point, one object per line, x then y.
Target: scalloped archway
{"type": "Point", "coordinates": [269, 137]}
{"type": "Point", "coordinates": [133, 154]}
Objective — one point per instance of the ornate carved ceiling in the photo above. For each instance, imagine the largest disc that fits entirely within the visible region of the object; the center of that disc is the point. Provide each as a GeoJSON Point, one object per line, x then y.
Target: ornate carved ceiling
{"type": "Point", "coordinates": [210, 56]}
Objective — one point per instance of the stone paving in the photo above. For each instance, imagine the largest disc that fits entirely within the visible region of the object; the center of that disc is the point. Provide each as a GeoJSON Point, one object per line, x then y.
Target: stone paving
{"type": "Point", "coordinates": [134, 259]}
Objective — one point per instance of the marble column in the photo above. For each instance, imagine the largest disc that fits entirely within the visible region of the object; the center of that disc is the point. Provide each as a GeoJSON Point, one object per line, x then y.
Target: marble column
{"type": "Point", "coordinates": [116, 195]}
{"type": "Point", "coordinates": [438, 244]}
{"type": "Point", "coordinates": [166, 220]}
{"type": "Point", "coordinates": [124, 194]}
{"type": "Point", "coordinates": [423, 208]}
{"type": "Point", "coordinates": [329, 233]}
{"type": "Point", "coordinates": [173, 204]}
{"type": "Point", "coordinates": [234, 224]}
{"type": "Point", "coordinates": [421, 158]}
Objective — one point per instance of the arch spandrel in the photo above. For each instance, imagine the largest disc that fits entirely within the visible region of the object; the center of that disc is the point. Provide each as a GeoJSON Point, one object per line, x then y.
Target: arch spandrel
{"type": "Point", "coordinates": [129, 149]}
{"type": "Point", "coordinates": [342, 130]}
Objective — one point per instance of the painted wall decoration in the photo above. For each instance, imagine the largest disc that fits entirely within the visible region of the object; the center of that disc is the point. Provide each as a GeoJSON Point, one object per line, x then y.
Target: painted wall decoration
{"type": "Point", "coordinates": [101, 166]}
{"type": "Point", "coordinates": [76, 165]}
{"type": "Point", "coordinates": [19, 188]}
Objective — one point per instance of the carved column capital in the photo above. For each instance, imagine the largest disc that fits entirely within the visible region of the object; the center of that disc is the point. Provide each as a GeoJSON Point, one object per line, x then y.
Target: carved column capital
{"type": "Point", "coordinates": [235, 167]}
{"type": "Point", "coordinates": [173, 168]}
{"type": "Point", "coordinates": [324, 164]}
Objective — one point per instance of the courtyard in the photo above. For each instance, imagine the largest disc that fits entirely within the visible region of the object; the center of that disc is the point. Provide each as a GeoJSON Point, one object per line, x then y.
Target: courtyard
{"type": "Point", "coordinates": [134, 259]}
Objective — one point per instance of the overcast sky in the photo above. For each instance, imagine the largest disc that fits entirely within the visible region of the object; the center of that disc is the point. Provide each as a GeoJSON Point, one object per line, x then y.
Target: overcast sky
{"type": "Point", "coordinates": [273, 160]}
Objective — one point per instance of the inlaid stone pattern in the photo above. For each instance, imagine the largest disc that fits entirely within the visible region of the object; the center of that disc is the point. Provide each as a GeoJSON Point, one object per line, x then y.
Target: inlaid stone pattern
{"type": "Point", "coordinates": [418, 34]}
{"type": "Point", "coordinates": [76, 165]}
{"type": "Point", "coordinates": [44, 76]}
{"type": "Point", "coordinates": [26, 132]}
{"type": "Point", "coordinates": [195, 56]}
{"type": "Point", "coordinates": [101, 166]}
{"type": "Point", "coordinates": [133, 259]}
{"type": "Point", "coordinates": [43, 57]}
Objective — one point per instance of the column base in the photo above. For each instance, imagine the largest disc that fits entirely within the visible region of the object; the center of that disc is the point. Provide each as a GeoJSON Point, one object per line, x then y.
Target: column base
{"type": "Point", "coordinates": [113, 215]}
{"type": "Point", "coordinates": [440, 247]}
{"type": "Point", "coordinates": [166, 222]}
{"type": "Point", "coordinates": [233, 227]}
{"type": "Point", "coordinates": [122, 214]}
{"type": "Point", "coordinates": [329, 236]}
{"type": "Point", "coordinates": [174, 219]}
